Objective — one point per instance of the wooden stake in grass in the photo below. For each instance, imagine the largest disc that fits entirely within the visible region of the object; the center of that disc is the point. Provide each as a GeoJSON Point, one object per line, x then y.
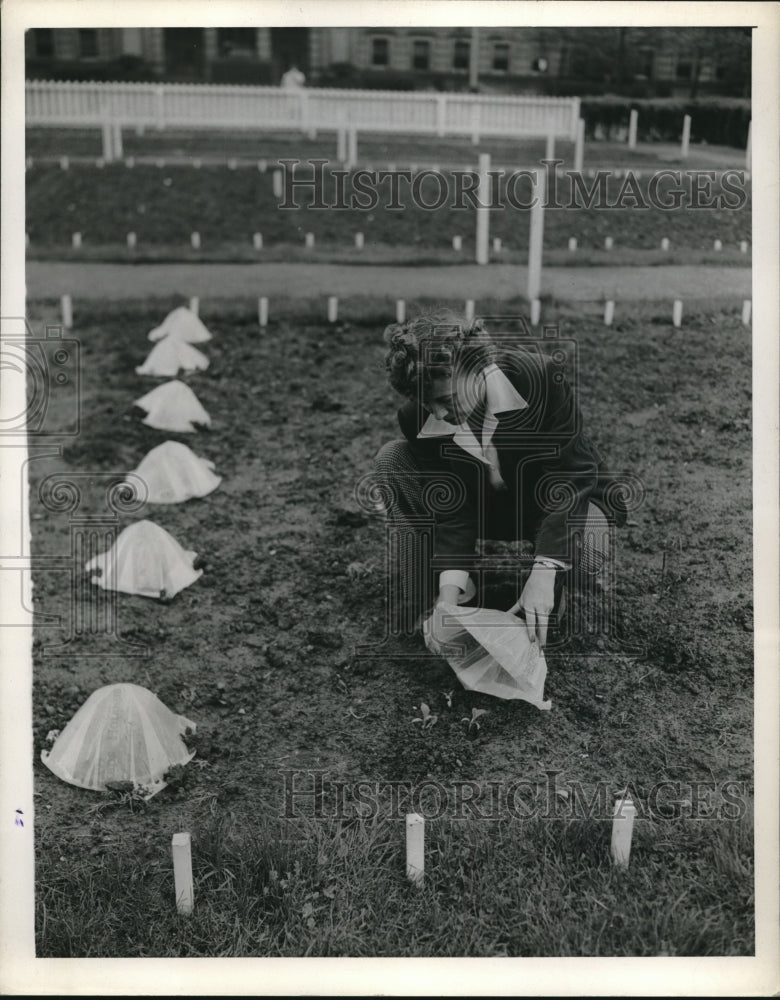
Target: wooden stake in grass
{"type": "Point", "coordinates": [66, 304]}
{"type": "Point", "coordinates": [746, 312]}
{"type": "Point", "coordinates": [717, 245]}
{"type": "Point", "coordinates": [622, 831]}
{"type": "Point", "coordinates": [633, 120]}
{"type": "Point", "coordinates": [665, 243]}
{"type": "Point", "coordinates": [743, 246]}
{"type": "Point", "coordinates": [333, 308]}
{"type": "Point", "coordinates": [181, 847]}
{"type": "Point", "coordinates": [573, 244]}
{"type": "Point", "coordinates": [359, 241]}
{"type": "Point", "coordinates": [196, 163]}
{"type": "Point", "coordinates": [160, 163]}
{"type": "Point", "coordinates": [64, 163]}
{"type": "Point", "coordinates": [536, 311]}
{"type": "Point", "coordinates": [262, 311]}
{"type": "Point", "coordinates": [469, 310]}
{"type": "Point", "coordinates": [415, 848]}
{"type": "Point", "coordinates": [76, 240]}
{"type": "Point", "coordinates": [483, 216]}
{"type": "Point", "coordinates": [579, 145]}
{"type": "Point", "coordinates": [400, 310]}
{"type": "Point", "coordinates": [309, 240]}
{"type": "Point", "coordinates": [352, 149]}
{"type": "Point", "coordinates": [536, 238]}
{"type": "Point", "coordinates": [232, 164]}
{"type": "Point", "coordinates": [608, 242]}
{"type": "Point", "coordinates": [549, 147]}
{"type": "Point", "coordinates": [131, 240]}
{"type": "Point", "coordinates": [497, 244]}
{"type": "Point", "coordinates": [277, 183]}
{"type": "Point", "coordinates": [195, 305]}
{"type": "Point", "coordinates": [609, 312]}
{"type": "Point", "coordinates": [195, 241]}
{"type": "Point", "coordinates": [677, 312]}
{"type": "Point", "coordinates": [262, 166]}
{"type": "Point", "coordinates": [257, 241]}
{"type": "Point", "coordinates": [686, 137]}
{"type": "Point", "coordinates": [457, 242]}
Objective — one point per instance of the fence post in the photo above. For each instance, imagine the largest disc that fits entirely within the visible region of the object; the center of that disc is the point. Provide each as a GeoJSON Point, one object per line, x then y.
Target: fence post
{"type": "Point", "coordinates": [159, 108]}
{"type": "Point", "coordinates": [686, 137]}
{"type": "Point", "coordinates": [536, 237]}
{"type": "Point", "coordinates": [579, 145]}
{"type": "Point", "coordinates": [108, 146]}
{"type": "Point", "coordinates": [352, 148]}
{"type": "Point", "coordinates": [117, 134]}
{"type": "Point", "coordinates": [475, 121]}
{"type": "Point", "coordinates": [549, 148]}
{"type": "Point", "coordinates": [441, 114]}
{"type": "Point", "coordinates": [632, 126]}
{"type": "Point", "coordinates": [483, 201]}
{"type": "Point", "coordinates": [341, 145]}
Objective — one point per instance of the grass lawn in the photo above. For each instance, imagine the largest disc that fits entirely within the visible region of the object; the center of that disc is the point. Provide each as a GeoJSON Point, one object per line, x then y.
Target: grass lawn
{"type": "Point", "coordinates": [163, 206]}
{"type": "Point", "coordinates": [260, 654]}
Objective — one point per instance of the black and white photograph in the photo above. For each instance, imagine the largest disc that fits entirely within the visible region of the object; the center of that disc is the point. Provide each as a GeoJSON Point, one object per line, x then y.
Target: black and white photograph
{"type": "Point", "coordinates": [389, 484]}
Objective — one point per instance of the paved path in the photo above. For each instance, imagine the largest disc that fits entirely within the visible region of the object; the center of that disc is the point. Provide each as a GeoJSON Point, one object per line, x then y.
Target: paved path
{"type": "Point", "coordinates": [47, 279]}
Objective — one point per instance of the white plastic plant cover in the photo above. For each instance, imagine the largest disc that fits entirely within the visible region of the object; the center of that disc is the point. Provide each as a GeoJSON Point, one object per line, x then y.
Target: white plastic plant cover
{"type": "Point", "coordinates": [182, 324]}
{"type": "Point", "coordinates": [145, 560]}
{"type": "Point", "coordinates": [173, 407]}
{"type": "Point", "coordinates": [122, 733]}
{"type": "Point", "coordinates": [172, 474]}
{"type": "Point", "coordinates": [171, 356]}
{"type": "Point", "coordinates": [490, 652]}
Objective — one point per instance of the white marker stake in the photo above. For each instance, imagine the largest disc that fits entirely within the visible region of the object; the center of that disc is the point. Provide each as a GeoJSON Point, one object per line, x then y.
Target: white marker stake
{"type": "Point", "coordinates": [622, 830]}
{"type": "Point", "coordinates": [415, 848]}
{"type": "Point", "coordinates": [232, 164]}
{"type": "Point", "coordinates": [309, 241]}
{"type": "Point", "coordinates": [400, 310]}
{"type": "Point", "coordinates": [483, 216]}
{"type": "Point", "coordinates": [161, 164]}
{"type": "Point", "coordinates": [262, 311]}
{"type": "Point", "coordinates": [67, 311]}
{"type": "Point", "coordinates": [633, 120]}
{"type": "Point", "coordinates": [608, 242]}
{"type": "Point", "coordinates": [457, 242]}
{"type": "Point", "coordinates": [195, 241]}
{"type": "Point", "coordinates": [196, 163]}
{"type": "Point", "coordinates": [257, 241]}
{"type": "Point", "coordinates": [717, 245]}
{"type": "Point", "coordinates": [117, 137]}
{"type": "Point", "coordinates": [746, 312]}
{"type": "Point", "coordinates": [686, 137]}
{"type": "Point", "coordinates": [497, 244]}
{"type": "Point", "coordinates": [469, 310]}
{"type": "Point", "coordinates": [573, 244]}
{"type": "Point", "coordinates": [352, 149]}
{"type": "Point", "coordinates": [76, 241]}
{"type": "Point", "coordinates": [549, 147]}
{"type": "Point", "coordinates": [677, 312]}
{"type": "Point", "coordinates": [333, 308]}
{"type": "Point", "coordinates": [195, 304]}
{"type": "Point", "coordinates": [359, 241]}
{"type": "Point", "coordinates": [536, 311]}
{"type": "Point", "coordinates": [64, 163]}
{"type": "Point", "coordinates": [665, 243]}
{"type": "Point", "coordinates": [536, 238]}
{"type": "Point", "coordinates": [609, 312]}
{"type": "Point", "coordinates": [743, 246]}
{"type": "Point", "coordinates": [579, 145]}
{"type": "Point", "coordinates": [131, 240]}
{"type": "Point", "coordinates": [262, 166]}
{"type": "Point", "coordinates": [277, 183]}
{"type": "Point", "coordinates": [181, 846]}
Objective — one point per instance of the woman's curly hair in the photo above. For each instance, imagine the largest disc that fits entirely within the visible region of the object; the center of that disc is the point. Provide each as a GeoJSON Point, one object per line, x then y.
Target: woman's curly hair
{"type": "Point", "coordinates": [433, 346]}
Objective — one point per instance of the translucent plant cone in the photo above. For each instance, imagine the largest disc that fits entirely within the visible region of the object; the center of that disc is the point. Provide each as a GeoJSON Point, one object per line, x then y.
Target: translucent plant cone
{"type": "Point", "coordinates": [490, 652]}
{"type": "Point", "coordinates": [171, 356]}
{"type": "Point", "coordinates": [173, 474]}
{"type": "Point", "coordinates": [173, 407]}
{"type": "Point", "coordinates": [145, 560]}
{"type": "Point", "coordinates": [182, 324]}
{"type": "Point", "coordinates": [122, 732]}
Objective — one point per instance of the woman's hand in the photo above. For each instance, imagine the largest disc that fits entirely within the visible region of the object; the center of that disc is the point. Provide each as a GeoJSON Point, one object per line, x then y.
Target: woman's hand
{"type": "Point", "coordinates": [440, 633]}
{"type": "Point", "coordinates": [536, 602]}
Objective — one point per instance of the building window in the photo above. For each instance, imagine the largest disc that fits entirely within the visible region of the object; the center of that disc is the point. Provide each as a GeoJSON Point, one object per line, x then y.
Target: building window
{"type": "Point", "coordinates": [380, 51]}
{"type": "Point", "coordinates": [421, 54]}
{"type": "Point", "coordinates": [44, 42]}
{"type": "Point", "coordinates": [88, 43]}
{"type": "Point", "coordinates": [683, 68]}
{"type": "Point", "coordinates": [501, 57]}
{"type": "Point", "coordinates": [236, 42]}
{"type": "Point", "coordinates": [461, 55]}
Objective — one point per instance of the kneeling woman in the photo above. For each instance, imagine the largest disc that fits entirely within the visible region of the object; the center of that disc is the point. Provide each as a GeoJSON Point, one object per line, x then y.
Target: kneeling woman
{"type": "Point", "coordinates": [492, 448]}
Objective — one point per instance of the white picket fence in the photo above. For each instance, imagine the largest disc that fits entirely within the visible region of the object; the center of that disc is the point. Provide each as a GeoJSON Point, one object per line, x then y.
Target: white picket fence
{"type": "Point", "coordinates": [204, 106]}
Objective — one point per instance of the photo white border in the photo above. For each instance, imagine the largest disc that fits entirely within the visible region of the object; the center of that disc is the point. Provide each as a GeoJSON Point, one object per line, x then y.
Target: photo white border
{"type": "Point", "coordinates": [20, 971]}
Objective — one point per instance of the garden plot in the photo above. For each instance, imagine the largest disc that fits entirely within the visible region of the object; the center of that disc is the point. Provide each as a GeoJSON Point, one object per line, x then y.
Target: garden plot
{"type": "Point", "coordinates": [259, 653]}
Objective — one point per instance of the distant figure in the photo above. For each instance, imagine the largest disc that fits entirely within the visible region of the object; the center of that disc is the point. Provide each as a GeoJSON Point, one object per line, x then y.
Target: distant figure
{"type": "Point", "coordinates": [293, 79]}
